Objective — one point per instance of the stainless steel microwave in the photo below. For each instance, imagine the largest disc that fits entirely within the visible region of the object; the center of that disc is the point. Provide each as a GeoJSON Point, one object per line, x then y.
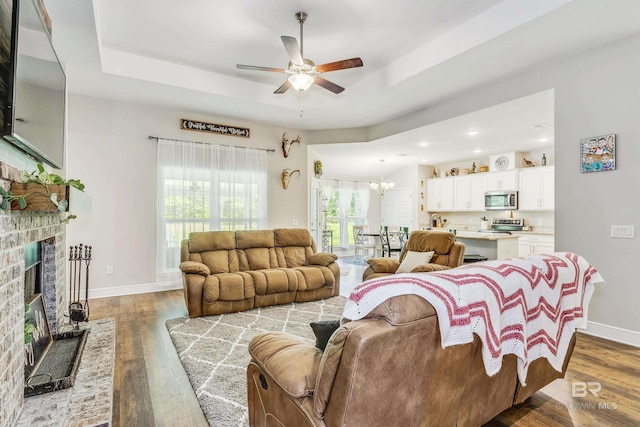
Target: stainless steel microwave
{"type": "Point", "coordinates": [501, 200]}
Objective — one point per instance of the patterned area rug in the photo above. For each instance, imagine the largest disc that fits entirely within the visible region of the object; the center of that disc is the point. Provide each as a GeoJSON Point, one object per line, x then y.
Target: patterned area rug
{"type": "Point", "coordinates": [214, 351]}
{"type": "Point", "coordinates": [89, 401]}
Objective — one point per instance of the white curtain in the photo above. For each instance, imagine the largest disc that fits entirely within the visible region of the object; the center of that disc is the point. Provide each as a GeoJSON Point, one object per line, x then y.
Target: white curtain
{"type": "Point", "coordinates": [205, 187]}
{"type": "Point", "coordinates": [345, 194]}
{"type": "Point", "coordinates": [364, 193]}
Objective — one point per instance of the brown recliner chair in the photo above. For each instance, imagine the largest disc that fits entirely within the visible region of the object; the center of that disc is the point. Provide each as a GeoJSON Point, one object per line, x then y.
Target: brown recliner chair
{"type": "Point", "coordinates": [447, 254]}
{"type": "Point", "coordinates": [387, 369]}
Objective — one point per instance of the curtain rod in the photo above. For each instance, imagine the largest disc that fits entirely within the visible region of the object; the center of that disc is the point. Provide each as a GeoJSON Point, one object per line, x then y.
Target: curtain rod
{"type": "Point", "coordinates": [269, 150]}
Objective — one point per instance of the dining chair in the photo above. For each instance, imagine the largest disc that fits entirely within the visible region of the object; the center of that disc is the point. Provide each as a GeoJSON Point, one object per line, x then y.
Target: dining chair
{"type": "Point", "coordinates": [403, 235]}
{"type": "Point", "coordinates": [387, 243]}
{"type": "Point", "coordinates": [361, 242]}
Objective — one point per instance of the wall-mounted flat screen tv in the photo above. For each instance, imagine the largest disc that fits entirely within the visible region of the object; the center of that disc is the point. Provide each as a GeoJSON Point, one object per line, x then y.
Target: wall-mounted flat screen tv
{"type": "Point", "coordinates": [32, 83]}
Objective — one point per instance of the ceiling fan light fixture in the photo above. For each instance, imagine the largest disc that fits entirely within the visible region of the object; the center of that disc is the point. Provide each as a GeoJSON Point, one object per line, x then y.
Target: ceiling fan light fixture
{"type": "Point", "coordinates": [301, 81]}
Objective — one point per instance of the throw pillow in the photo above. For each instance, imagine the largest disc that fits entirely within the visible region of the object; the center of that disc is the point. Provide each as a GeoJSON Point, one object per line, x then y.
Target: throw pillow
{"type": "Point", "coordinates": [323, 331]}
{"type": "Point", "coordinates": [413, 259]}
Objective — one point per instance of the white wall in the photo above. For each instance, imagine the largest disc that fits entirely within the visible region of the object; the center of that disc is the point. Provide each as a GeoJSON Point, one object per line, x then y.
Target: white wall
{"type": "Point", "coordinates": [109, 151]}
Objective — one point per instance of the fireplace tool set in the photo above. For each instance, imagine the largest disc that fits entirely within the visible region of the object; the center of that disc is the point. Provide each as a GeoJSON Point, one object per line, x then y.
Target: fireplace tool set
{"type": "Point", "coordinates": [79, 257]}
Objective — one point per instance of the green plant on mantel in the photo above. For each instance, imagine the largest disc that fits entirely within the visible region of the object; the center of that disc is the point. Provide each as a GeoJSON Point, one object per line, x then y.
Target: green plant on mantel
{"type": "Point", "coordinates": [44, 179]}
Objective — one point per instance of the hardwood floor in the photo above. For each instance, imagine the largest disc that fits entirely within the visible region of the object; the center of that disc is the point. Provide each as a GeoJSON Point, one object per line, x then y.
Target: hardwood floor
{"type": "Point", "coordinates": [151, 388]}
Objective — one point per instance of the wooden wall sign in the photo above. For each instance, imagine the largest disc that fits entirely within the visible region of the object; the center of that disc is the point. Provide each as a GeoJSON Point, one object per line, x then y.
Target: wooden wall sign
{"type": "Point", "coordinates": [214, 128]}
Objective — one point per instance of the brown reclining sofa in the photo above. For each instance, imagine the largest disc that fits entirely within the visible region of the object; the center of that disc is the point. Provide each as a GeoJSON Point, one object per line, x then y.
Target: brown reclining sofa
{"type": "Point", "coordinates": [387, 369]}
{"type": "Point", "coordinates": [228, 271]}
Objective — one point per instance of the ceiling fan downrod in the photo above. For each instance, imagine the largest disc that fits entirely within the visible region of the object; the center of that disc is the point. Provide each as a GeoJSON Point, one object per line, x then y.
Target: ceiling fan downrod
{"type": "Point", "coordinates": [301, 17]}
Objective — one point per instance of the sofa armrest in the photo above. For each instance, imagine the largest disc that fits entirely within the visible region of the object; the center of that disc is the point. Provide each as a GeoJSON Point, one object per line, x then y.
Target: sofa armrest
{"type": "Point", "coordinates": [193, 267]}
{"type": "Point", "coordinates": [322, 258]}
{"type": "Point", "coordinates": [290, 361]}
{"type": "Point", "coordinates": [383, 265]}
{"type": "Point", "coordinates": [427, 268]}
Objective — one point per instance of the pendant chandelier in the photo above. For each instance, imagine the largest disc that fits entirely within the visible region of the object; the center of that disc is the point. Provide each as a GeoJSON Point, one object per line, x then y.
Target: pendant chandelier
{"type": "Point", "coordinates": [381, 186]}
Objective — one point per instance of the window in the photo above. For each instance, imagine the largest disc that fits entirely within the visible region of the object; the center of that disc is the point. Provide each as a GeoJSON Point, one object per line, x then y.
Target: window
{"type": "Point", "coordinates": [341, 217]}
{"type": "Point", "coordinates": [203, 187]}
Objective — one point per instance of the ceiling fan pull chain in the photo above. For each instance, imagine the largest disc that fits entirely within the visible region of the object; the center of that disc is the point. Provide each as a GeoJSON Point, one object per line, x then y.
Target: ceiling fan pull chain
{"type": "Point", "coordinates": [301, 103]}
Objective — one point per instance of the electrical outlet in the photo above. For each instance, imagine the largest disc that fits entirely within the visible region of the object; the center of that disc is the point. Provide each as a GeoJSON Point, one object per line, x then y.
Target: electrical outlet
{"type": "Point", "coordinates": [294, 221]}
{"type": "Point", "coordinates": [109, 269]}
{"type": "Point", "coordinates": [623, 231]}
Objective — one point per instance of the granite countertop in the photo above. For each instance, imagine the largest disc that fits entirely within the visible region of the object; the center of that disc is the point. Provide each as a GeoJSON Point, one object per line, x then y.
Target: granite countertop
{"type": "Point", "coordinates": [465, 234]}
{"type": "Point", "coordinates": [534, 232]}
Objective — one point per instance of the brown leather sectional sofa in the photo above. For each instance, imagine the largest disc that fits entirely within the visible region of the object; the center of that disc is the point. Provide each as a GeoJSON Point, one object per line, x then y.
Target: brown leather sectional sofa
{"type": "Point", "coordinates": [228, 271]}
{"type": "Point", "coordinates": [387, 369]}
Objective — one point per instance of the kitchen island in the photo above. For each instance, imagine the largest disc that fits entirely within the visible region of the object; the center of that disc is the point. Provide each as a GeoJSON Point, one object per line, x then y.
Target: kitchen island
{"type": "Point", "coordinates": [490, 245]}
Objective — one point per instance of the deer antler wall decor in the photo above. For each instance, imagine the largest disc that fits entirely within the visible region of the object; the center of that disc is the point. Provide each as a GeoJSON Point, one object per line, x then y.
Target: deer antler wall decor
{"type": "Point", "coordinates": [286, 144]}
{"type": "Point", "coordinates": [287, 174]}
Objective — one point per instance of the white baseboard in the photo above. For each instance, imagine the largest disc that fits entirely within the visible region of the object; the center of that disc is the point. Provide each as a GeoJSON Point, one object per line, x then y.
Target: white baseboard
{"type": "Point", "coordinates": [132, 289]}
{"type": "Point", "coordinates": [613, 333]}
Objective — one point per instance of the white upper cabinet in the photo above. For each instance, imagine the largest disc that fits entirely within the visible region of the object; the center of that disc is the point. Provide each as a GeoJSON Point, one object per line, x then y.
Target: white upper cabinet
{"type": "Point", "coordinates": [469, 192]}
{"type": "Point", "coordinates": [536, 188]}
{"type": "Point", "coordinates": [504, 180]}
{"type": "Point", "coordinates": [439, 194]}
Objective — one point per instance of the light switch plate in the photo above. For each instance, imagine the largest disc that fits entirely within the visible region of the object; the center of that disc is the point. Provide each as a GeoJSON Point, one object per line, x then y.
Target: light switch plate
{"type": "Point", "coordinates": [623, 231]}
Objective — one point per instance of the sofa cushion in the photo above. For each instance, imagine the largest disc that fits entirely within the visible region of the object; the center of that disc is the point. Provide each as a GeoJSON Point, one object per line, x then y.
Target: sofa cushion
{"type": "Point", "coordinates": [295, 256]}
{"type": "Point", "coordinates": [292, 237]}
{"type": "Point", "coordinates": [254, 239]}
{"type": "Point", "coordinates": [310, 278]}
{"type": "Point", "coordinates": [228, 287]}
{"type": "Point", "coordinates": [217, 261]}
{"type": "Point", "coordinates": [425, 241]}
{"type": "Point", "coordinates": [323, 330]}
{"type": "Point", "coordinates": [272, 281]}
{"type": "Point", "coordinates": [259, 258]}
{"type": "Point", "coordinates": [414, 259]}
{"type": "Point", "coordinates": [202, 241]}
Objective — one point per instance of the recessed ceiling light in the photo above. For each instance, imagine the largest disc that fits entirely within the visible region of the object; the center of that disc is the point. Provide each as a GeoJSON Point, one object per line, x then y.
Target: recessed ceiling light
{"type": "Point", "coordinates": [472, 132]}
{"type": "Point", "coordinates": [424, 144]}
{"type": "Point", "coordinates": [423, 160]}
{"type": "Point", "coordinates": [543, 139]}
{"type": "Point", "coordinates": [477, 151]}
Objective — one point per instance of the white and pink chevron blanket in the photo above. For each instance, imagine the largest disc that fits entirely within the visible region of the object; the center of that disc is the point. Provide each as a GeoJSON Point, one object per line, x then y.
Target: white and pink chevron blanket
{"type": "Point", "coordinates": [529, 306]}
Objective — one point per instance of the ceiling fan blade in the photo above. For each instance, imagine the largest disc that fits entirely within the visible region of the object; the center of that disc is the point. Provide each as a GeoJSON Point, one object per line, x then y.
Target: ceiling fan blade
{"type": "Point", "coordinates": [291, 44]}
{"type": "Point", "coordinates": [328, 85]}
{"type": "Point", "coordinates": [256, 68]}
{"type": "Point", "coordinates": [339, 65]}
{"type": "Point", "coordinates": [283, 88]}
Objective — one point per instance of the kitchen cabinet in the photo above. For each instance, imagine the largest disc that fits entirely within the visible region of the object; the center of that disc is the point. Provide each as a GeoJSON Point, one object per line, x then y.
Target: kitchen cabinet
{"type": "Point", "coordinates": [536, 188]}
{"type": "Point", "coordinates": [440, 194]}
{"type": "Point", "coordinates": [504, 180]}
{"type": "Point", "coordinates": [529, 244]}
{"type": "Point", "coordinates": [469, 192]}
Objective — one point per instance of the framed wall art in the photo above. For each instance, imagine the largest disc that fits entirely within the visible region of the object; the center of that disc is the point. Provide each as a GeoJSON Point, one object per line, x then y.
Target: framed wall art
{"type": "Point", "coordinates": [598, 154]}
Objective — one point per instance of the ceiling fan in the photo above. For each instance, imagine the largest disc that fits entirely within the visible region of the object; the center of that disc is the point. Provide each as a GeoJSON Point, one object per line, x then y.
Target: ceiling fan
{"type": "Point", "coordinates": [304, 72]}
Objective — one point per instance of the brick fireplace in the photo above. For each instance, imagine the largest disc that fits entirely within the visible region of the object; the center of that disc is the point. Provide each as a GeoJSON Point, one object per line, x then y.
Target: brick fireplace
{"type": "Point", "coordinates": [17, 229]}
